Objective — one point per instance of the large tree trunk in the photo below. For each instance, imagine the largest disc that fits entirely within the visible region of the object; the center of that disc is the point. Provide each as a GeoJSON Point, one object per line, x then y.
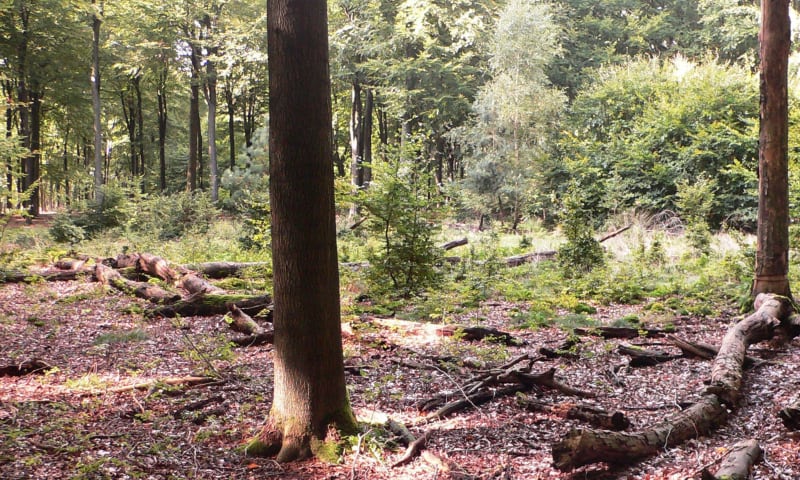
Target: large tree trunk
{"type": "Point", "coordinates": [772, 253]}
{"type": "Point", "coordinates": [310, 394]}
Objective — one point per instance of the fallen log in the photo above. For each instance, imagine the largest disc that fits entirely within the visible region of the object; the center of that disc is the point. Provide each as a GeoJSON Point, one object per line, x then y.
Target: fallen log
{"type": "Point", "coordinates": [642, 357]}
{"type": "Point", "coordinates": [49, 275]}
{"type": "Point", "coordinates": [790, 415]}
{"type": "Point", "coordinates": [565, 350]}
{"type": "Point", "coordinates": [726, 371]}
{"type": "Point", "coordinates": [209, 305]}
{"type": "Point", "coordinates": [453, 244]}
{"type": "Point", "coordinates": [198, 286]}
{"type": "Point", "coordinates": [706, 351]}
{"type": "Point", "coordinates": [26, 367]}
{"type": "Point", "coordinates": [473, 400]}
{"type": "Point", "coordinates": [242, 322]}
{"type": "Point", "coordinates": [157, 267]}
{"type": "Point", "coordinates": [517, 260]}
{"type": "Point", "coordinates": [152, 293]}
{"type": "Point", "coordinates": [594, 416]}
{"type": "Point", "coordinates": [255, 339]}
{"type": "Point", "coordinates": [70, 263]}
{"type": "Point", "coordinates": [218, 270]}
{"type": "Point", "coordinates": [619, 332]}
{"type": "Point", "coordinates": [413, 445]}
{"type": "Point", "coordinates": [489, 334]}
{"type": "Point", "coordinates": [737, 463]}
{"type": "Point", "coordinates": [173, 381]}
{"type": "Point", "coordinates": [584, 446]}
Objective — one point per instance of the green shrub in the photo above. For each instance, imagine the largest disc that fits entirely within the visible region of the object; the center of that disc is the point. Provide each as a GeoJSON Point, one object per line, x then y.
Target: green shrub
{"type": "Point", "coordinates": [404, 215]}
{"type": "Point", "coordinates": [64, 230]}
{"type": "Point", "coordinates": [581, 253]}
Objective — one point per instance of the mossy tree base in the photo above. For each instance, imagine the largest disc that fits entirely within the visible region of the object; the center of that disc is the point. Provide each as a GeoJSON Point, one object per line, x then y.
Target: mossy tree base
{"type": "Point", "coordinates": [295, 440]}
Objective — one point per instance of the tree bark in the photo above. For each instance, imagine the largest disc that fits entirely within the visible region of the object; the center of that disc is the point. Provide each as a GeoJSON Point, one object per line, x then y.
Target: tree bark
{"type": "Point", "coordinates": [772, 250]}
{"type": "Point", "coordinates": [96, 106]}
{"type": "Point", "coordinates": [147, 291]}
{"type": "Point", "coordinates": [194, 121]}
{"type": "Point", "coordinates": [726, 372]}
{"type": "Point", "coordinates": [582, 447]}
{"type": "Point", "coordinates": [310, 395]}
{"type": "Point", "coordinates": [738, 462]}
{"type": "Point", "coordinates": [161, 90]}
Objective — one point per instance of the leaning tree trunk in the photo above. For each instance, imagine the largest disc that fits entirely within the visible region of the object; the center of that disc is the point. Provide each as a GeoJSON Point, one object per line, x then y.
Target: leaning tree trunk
{"type": "Point", "coordinates": [310, 395]}
{"type": "Point", "coordinates": [772, 252]}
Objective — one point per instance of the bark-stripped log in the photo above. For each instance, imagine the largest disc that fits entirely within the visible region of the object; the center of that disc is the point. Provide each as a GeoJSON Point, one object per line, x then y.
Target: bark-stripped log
{"type": "Point", "coordinates": [583, 447]}
{"type": "Point", "coordinates": [198, 286]}
{"type": "Point", "coordinates": [737, 463]}
{"type": "Point", "coordinates": [224, 269]}
{"type": "Point", "coordinates": [726, 372]}
{"type": "Point", "coordinates": [157, 267]}
{"type": "Point", "coordinates": [147, 291]}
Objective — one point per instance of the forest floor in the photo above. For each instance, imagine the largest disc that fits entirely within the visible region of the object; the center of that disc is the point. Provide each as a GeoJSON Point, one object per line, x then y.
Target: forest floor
{"type": "Point", "coordinates": [67, 421]}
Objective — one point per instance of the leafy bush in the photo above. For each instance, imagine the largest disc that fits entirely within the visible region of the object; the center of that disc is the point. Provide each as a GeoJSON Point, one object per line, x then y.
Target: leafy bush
{"type": "Point", "coordinates": [643, 128]}
{"type": "Point", "coordinates": [64, 230]}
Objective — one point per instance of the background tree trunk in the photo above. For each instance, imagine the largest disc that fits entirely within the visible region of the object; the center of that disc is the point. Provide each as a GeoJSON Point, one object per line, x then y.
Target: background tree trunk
{"type": "Point", "coordinates": [310, 393]}
{"type": "Point", "coordinates": [96, 106]}
{"type": "Point", "coordinates": [772, 254]}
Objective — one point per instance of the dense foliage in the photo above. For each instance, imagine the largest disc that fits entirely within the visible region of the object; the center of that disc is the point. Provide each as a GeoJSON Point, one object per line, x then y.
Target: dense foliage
{"type": "Point", "coordinates": [640, 106]}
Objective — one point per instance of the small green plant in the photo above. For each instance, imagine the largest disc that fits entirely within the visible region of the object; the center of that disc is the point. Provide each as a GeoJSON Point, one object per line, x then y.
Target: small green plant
{"type": "Point", "coordinates": [581, 253]}
{"type": "Point", "coordinates": [129, 336]}
{"type": "Point", "coordinates": [694, 202]}
{"type": "Point", "coordinates": [404, 214]}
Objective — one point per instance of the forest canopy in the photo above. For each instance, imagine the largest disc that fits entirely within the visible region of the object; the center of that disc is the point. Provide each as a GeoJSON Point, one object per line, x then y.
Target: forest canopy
{"type": "Point", "coordinates": [510, 105]}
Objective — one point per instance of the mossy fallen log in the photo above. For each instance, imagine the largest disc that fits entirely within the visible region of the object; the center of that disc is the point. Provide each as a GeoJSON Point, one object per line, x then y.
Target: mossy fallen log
{"type": "Point", "coordinates": [212, 304]}
{"type": "Point", "coordinates": [148, 291]}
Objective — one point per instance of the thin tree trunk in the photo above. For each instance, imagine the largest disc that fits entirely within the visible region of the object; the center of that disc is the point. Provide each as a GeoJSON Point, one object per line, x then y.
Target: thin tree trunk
{"type": "Point", "coordinates": [231, 125]}
{"type": "Point", "coordinates": [211, 101]}
{"type": "Point", "coordinates": [33, 160]}
{"type": "Point", "coordinates": [162, 128]}
{"type": "Point", "coordinates": [772, 252]}
{"type": "Point", "coordinates": [96, 106]}
{"type": "Point", "coordinates": [194, 127]}
{"type": "Point", "coordinates": [137, 87]}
